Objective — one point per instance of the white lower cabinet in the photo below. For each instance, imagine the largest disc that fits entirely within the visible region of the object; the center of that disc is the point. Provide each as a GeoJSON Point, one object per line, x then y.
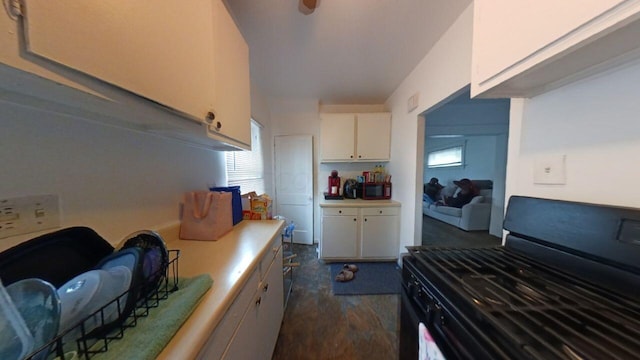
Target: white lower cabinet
{"type": "Point", "coordinates": [367, 232]}
{"type": "Point", "coordinates": [270, 310]}
{"type": "Point", "coordinates": [379, 232]}
{"type": "Point", "coordinates": [339, 233]}
{"type": "Point", "coordinates": [249, 329]}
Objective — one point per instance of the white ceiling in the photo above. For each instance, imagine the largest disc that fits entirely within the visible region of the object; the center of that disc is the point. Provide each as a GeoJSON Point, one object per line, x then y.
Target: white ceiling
{"type": "Point", "coordinates": [346, 51]}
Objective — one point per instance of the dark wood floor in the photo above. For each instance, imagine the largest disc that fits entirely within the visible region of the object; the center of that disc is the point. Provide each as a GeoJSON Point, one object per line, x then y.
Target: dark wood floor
{"type": "Point", "coordinates": [319, 325]}
{"type": "Point", "coordinates": [438, 233]}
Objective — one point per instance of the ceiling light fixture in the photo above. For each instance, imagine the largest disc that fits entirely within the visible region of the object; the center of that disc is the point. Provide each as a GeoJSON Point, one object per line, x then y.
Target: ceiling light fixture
{"type": "Point", "coordinates": [307, 6]}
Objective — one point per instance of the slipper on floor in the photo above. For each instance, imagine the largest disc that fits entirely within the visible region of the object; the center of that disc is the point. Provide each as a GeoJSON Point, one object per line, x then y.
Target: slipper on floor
{"type": "Point", "coordinates": [350, 267]}
{"type": "Point", "coordinates": [344, 276]}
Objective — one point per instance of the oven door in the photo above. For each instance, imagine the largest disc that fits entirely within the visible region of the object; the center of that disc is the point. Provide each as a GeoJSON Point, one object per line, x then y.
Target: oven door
{"type": "Point", "coordinates": [417, 307]}
{"type": "Point", "coordinates": [456, 339]}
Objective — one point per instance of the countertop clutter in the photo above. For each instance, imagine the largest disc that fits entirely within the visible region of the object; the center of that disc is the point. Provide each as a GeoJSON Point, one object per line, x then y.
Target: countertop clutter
{"type": "Point", "coordinates": [231, 261]}
{"type": "Point", "coordinates": [358, 203]}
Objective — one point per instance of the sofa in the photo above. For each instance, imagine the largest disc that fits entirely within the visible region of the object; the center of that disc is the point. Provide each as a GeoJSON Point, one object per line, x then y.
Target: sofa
{"type": "Point", "coordinates": [473, 216]}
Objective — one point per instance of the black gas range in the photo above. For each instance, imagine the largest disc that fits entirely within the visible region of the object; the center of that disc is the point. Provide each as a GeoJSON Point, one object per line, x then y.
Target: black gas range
{"type": "Point", "coordinates": [565, 285]}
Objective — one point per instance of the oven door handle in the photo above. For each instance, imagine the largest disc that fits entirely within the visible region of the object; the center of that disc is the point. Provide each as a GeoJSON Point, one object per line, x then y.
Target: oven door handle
{"type": "Point", "coordinates": [446, 334]}
{"type": "Point", "coordinates": [413, 291]}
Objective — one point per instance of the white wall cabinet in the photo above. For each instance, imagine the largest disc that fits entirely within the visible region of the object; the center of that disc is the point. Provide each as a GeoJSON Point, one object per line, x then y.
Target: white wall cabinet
{"type": "Point", "coordinates": [527, 47]}
{"type": "Point", "coordinates": [355, 137]}
{"type": "Point", "coordinates": [249, 329]}
{"type": "Point", "coordinates": [189, 58]}
{"type": "Point", "coordinates": [359, 233]}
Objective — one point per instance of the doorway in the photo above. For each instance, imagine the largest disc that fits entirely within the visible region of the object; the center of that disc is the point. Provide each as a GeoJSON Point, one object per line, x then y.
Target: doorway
{"type": "Point", "coordinates": [480, 127]}
{"type": "Point", "coordinates": [293, 163]}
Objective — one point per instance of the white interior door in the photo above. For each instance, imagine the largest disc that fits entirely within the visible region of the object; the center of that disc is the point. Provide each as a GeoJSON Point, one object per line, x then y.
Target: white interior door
{"type": "Point", "coordinates": [294, 183]}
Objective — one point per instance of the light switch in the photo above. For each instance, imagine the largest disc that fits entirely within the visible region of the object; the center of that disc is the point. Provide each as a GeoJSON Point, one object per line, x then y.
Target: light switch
{"type": "Point", "coordinates": [549, 169]}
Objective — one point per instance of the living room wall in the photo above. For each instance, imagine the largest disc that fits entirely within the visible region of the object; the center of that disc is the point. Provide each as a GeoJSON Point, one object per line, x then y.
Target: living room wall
{"type": "Point", "coordinates": [479, 159]}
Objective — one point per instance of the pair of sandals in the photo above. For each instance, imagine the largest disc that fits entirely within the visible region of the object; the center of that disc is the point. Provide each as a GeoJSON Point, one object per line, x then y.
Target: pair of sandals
{"type": "Point", "coordinates": [347, 273]}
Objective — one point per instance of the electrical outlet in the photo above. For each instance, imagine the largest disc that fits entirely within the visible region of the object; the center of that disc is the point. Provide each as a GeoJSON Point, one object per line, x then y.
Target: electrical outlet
{"type": "Point", "coordinates": [549, 169]}
{"type": "Point", "coordinates": [29, 214]}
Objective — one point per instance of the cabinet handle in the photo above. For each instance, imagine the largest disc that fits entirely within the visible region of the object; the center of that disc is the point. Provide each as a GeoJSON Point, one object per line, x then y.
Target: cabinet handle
{"type": "Point", "coordinates": [210, 117]}
{"type": "Point", "coordinates": [359, 156]}
{"type": "Point", "coordinates": [218, 125]}
{"type": "Point", "coordinates": [265, 288]}
{"type": "Point", "coordinates": [351, 156]}
{"type": "Point", "coordinates": [365, 219]}
{"type": "Point", "coordinates": [339, 211]}
{"type": "Point", "coordinates": [354, 219]}
{"type": "Point", "coordinates": [380, 211]}
{"type": "Point", "coordinates": [258, 301]}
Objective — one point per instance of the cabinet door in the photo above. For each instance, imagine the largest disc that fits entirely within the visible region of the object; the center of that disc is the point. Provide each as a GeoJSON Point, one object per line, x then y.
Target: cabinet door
{"type": "Point", "coordinates": [380, 233]}
{"type": "Point", "coordinates": [187, 56]}
{"type": "Point", "coordinates": [245, 343]}
{"type": "Point", "coordinates": [232, 107]}
{"type": "Point", "coordinates": [271, 308]}
{"type": "Point", "coordinates": [339, 237]}
{"type": "Point", "coordinates": [373, 136]}
{"type": "Point", "coordinates": [337, 137]}
{"type": "Point", "coordinates": [224, 332]}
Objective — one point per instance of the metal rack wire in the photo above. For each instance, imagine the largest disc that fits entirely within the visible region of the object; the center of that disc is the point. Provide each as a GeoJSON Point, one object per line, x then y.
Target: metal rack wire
{"type": "Point", "coordinates": [89, 343]}
{"type": "Point", "coordinates": [287, 263]}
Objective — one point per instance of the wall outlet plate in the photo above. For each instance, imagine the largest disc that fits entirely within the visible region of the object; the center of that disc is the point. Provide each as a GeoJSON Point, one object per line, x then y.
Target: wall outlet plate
{"type": "Point", "coordinates": [550, 169]}
{"type": "Point", "coordinates": [27, 214]}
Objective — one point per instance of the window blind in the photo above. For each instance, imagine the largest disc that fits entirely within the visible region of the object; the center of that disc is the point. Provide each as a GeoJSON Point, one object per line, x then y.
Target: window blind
{"type": "Point", "coordinates": [246, 168]}
{"type": "Point", "coordinates": [451, 156]}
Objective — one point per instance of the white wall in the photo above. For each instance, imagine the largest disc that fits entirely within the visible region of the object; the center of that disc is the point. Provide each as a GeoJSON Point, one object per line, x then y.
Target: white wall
{"type": "Point", "coordinates": [113, 180]}
{"type": "Point", "coordinates": [445, 70]}
{"type": "Point", "coordinates": [595, 124]}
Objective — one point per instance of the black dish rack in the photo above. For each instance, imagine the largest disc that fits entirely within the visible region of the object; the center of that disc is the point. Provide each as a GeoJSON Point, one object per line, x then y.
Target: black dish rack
{"type": "Point", "coordinates": [89, 343]}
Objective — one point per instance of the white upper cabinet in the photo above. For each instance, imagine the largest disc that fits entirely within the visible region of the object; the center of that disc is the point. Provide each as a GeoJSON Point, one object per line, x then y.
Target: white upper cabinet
{"type": "Point", "coordinates": [188, 57]}
{"type": "Point", "coordinates": [355, 137]}
{"type": "Point", "coordinates": [523, 48]}
{"type": "Point", "coordinates": [373, 141]}
{"type": "Point", "coordinates": [337, 137]}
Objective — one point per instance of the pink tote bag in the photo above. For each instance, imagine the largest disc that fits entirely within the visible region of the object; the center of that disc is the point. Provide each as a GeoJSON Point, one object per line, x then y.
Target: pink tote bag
{"type": "Point", "coordinates": [207, 215]}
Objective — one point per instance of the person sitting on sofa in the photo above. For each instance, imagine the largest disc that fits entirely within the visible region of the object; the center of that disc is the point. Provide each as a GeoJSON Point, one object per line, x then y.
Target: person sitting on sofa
{"type": "Point", "coordinates": [467, 192]}
{"type": "Point", "coordinates": [432, 190]}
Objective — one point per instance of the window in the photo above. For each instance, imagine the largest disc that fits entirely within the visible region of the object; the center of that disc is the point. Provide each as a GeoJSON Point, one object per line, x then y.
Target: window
{"type": "Point", "coordinates": [446, 157]}
{"type": "Point", "coordinates": [245, 168]}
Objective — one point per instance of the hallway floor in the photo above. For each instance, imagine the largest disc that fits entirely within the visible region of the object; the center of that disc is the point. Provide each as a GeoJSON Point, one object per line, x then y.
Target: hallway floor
{"type": "Point", "coordinates": [436, 232]}
{"type": "Point", "coordinates": [318, 325]}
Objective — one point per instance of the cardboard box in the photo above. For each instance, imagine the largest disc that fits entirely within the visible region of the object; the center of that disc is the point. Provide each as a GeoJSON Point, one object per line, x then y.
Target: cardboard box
{"type": "Point", "coordinates": [261, 208]}
{"type": "Point", "coordinates": [256, 207]}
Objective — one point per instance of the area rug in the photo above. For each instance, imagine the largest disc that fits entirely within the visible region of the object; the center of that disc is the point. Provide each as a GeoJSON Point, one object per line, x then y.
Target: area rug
{"type": "Point", "coordinates": [372, 278]}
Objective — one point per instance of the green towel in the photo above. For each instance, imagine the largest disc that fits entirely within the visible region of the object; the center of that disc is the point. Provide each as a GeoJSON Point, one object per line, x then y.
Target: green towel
{"type": "Point", "coordinates": [153, 333]}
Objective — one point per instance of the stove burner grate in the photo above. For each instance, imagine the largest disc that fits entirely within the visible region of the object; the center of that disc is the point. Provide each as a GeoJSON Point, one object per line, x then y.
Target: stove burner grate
{"type": "Point", "coordinates": [546, 313]}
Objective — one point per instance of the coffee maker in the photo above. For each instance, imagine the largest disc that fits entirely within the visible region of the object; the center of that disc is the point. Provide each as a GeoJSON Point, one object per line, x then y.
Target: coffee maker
{"type": "Point", "coordinates": [334, 184]}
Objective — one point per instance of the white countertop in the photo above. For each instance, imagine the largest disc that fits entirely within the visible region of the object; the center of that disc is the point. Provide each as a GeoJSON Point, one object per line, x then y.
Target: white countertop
{"type": "Point", "coordinates": [230, 261]}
